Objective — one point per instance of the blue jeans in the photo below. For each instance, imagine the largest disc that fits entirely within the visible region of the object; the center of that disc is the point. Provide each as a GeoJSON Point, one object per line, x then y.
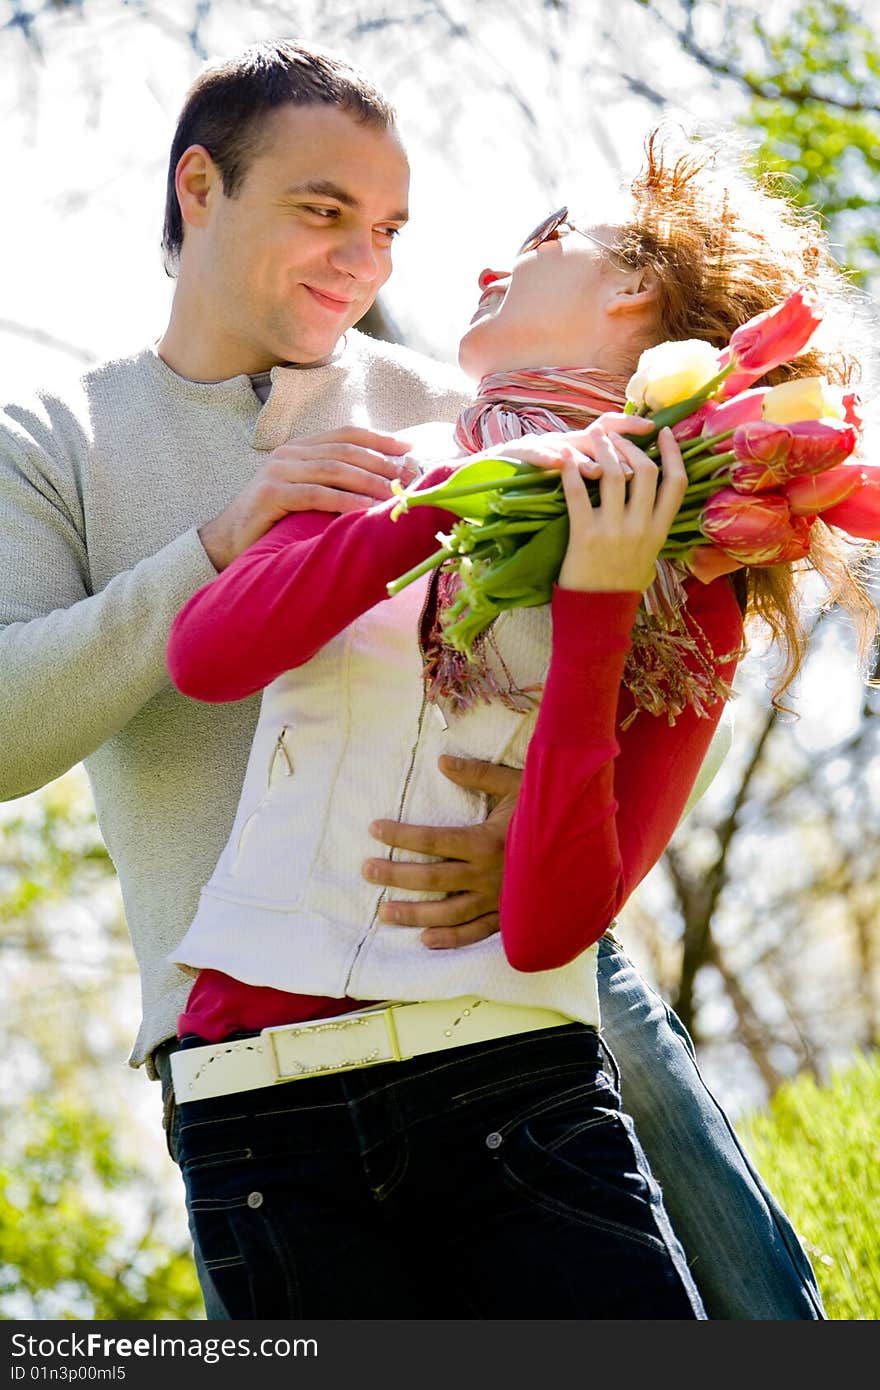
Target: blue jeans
{"type": "Point", "coordinates": [493, 1181]}
{"type": "Point", "coordinates": [743, 1253]}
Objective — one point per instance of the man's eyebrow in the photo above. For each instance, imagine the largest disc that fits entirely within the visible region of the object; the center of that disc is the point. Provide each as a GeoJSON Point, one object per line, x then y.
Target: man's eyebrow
{"type": "Point", "coordinates": [324, 188]}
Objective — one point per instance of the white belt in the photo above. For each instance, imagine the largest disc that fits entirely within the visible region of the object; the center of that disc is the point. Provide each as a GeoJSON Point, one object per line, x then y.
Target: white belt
{"type": "Point", "coordinates": [358, 1039]}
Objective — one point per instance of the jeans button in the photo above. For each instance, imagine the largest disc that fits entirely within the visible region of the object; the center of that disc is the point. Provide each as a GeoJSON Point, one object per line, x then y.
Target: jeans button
{"type": "Point", "coordinates": [493, 1141]}
{"type": "Point", "coordinates": [255, 1199]}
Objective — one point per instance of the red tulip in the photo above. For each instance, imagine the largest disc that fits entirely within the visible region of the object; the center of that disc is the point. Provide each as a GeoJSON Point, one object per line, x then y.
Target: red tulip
{"type": "Point", "coordinates": [760, 442]}
{"type": "Point", "coordinates": [769, 339]}
{"type": "Point", "coordinates": [692, 425]}
{"type": "Point", "coordinates": [749, 528]}
{"type": "Point", "coordinates": [761, 451]}
{"type": "Point", "coordinates": [819, 444]}
{"type": "Point", "coordinates": [814, 492]}
{"type": "Point", "coordinates": [859, 514]}
{"type": "Point", "coordinates": [768, 455]}
{"type": "Point", "coordinates": [748, 477]}
{"type": "Point", "coordinates": [707, 562]}
{"type": "Point", "coordinates": [851, 413]}
{"type": "Point", "coordinates": [797, 547]}
{"type": "Point", "coordinates": [740, 410]}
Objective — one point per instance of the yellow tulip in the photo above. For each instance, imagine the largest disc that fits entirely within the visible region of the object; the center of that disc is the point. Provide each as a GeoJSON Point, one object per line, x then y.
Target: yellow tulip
{"type": "Point", "coordinates": [805, 398]}
{"type": "Point", "coordinates": [672, 372]}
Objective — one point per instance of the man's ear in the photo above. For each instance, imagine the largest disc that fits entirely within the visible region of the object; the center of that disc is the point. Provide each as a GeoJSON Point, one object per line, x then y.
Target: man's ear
{"type": "Point", "coordinates": [636, 292]}
{"type": "Point", "coordinates": [196, 178]}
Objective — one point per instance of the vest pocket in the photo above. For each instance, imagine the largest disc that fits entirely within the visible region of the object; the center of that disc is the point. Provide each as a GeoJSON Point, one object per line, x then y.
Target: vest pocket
{"type": "Point", "coordinates": [280, 765]}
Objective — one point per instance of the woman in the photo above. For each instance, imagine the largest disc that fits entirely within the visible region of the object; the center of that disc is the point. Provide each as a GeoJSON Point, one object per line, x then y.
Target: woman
{"type": "Point", "coordinates": [253, 627]}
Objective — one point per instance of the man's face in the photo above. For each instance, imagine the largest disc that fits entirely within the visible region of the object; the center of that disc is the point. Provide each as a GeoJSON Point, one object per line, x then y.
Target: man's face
{"type": "Point", "coordinates": [300, 252]}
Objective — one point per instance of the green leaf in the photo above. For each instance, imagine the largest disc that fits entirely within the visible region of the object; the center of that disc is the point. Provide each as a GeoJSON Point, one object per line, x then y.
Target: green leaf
{"type": "Point", "coordinates": [468, 492]}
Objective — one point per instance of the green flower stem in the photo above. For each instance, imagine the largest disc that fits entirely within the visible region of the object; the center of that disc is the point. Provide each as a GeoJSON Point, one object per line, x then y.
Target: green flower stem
{"type": "Point", "coordinates": [433, 496]}
{"type": "Point", "coordinates": [484, 533]}
{"type": "Point", "coordinates": [710, 466]}
{"type": "Point", "coordinates": [686, 527]}
{"type": "Point", "coordinates": [416, 573]}
{"type": "Point", "coordinates": [536, 505]}
{"type": "Point", "coordinates": [698, 492]}
{"type": "Point", "coordinates": [488, 532]}
{"type": "Point", "coordinates": [704, 445]}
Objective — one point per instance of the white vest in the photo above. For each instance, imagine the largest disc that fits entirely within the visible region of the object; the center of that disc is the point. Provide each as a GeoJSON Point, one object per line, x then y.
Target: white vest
{"type": "Point", "coordinates": [345, 739]}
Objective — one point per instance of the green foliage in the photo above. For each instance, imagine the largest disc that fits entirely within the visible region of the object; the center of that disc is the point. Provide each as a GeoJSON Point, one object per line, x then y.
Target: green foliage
{"type": "Point", "coordinates": [816, 107]}
{"type": "Point", "coordinates": [819, 1149]}
{"type": "Point", "coordinates": [85, 1232]}
{"type": "Point", "coordinates": [50, 850]}
{"type": "Point", "coordinates": [78, 1238]}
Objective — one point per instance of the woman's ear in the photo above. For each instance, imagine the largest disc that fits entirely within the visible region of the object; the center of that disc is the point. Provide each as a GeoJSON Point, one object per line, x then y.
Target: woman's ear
{"type": "Point", "coordinates": [637, 292]}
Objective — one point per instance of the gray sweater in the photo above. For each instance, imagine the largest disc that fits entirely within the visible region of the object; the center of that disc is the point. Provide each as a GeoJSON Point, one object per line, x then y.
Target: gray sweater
{"type": "Point", "coordinates": [101, 495]}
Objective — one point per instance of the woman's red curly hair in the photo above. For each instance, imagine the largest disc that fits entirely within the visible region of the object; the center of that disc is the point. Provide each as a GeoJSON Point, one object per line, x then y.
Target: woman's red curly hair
{"type": "Point", "coordinates": [725, 246]}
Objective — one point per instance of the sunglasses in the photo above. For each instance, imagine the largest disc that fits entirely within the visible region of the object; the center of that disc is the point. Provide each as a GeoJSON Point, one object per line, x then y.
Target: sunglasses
{"type": "Point", "coordinates": [551, 224]}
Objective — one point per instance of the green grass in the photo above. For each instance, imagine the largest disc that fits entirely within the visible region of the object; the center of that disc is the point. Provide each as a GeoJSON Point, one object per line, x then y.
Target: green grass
{"type": "Point", "coordinates": [818, 1148]}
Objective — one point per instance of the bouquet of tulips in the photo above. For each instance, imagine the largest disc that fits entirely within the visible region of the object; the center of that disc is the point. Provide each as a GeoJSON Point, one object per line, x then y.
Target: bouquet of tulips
{"type": "Point", "coordinates": [762, 464]}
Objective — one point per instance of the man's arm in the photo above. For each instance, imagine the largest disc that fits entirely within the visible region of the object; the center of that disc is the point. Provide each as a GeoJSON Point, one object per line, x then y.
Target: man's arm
{"type": "Point", "coordinates": [76, 666]}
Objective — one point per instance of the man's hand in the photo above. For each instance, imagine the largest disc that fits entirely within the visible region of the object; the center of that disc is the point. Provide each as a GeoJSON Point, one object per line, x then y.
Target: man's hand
{"type": "Point", "coordinates": [341, 471]}
{"type": "Point", "coordinates": [473, 858]}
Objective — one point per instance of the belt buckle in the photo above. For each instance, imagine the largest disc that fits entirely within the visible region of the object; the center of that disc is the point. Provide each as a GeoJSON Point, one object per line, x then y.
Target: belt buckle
{"type": "Point", "coordinates": [372, 1035]}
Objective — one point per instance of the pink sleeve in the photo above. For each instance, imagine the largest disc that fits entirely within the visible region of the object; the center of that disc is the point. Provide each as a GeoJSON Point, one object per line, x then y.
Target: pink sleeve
{"type": "Point", "coordinates": [291, 591]}
{"type": "Point", "coordinates": [598, 805]}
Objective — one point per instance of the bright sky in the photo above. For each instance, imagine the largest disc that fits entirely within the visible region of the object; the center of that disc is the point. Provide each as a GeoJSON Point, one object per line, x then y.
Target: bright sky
{"type": "Point", "coordinates": [84, 142]}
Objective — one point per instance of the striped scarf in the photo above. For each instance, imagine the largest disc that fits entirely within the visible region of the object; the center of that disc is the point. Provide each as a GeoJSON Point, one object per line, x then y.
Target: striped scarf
{"type": "Point", "coordinates": [509, 405]}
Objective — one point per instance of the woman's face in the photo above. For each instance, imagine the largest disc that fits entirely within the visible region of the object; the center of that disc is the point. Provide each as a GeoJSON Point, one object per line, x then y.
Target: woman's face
{"type": "Point", "coordinates": [549, 310]}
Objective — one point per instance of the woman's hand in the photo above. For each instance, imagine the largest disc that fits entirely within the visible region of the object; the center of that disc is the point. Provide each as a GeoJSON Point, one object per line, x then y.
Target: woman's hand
{"type": "Point", "coordinates": [614, 546]}
{"type": "Point", "coordinates": [554, 448]}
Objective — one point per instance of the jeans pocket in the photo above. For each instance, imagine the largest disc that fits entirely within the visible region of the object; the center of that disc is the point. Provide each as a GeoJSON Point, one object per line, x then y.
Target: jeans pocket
{"type": "Point", "coordinates": [238, 1230]}
{"type": "Point", "coordinates": [215, 1231]}
{"type": "Point", "coordinates": [510, 1085]}
{"type": "Point", "coordinates": [550, 1102]}
{"type": "Point", "coordinates": [576, 1158]}
{"type": "Point", "coordinates": [215, 1160]}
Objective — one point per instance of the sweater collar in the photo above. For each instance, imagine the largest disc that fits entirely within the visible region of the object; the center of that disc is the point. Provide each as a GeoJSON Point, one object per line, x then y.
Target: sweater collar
{"type": "Point", "coordinates": [233, 388]}
{"type": "Point", "coordinates": [294, 387]}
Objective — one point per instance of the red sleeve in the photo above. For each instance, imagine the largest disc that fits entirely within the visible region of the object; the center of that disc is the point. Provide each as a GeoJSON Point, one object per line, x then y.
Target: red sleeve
{"type": "Point", "coordinates": [293, 590]}
{"type": "Point", "coordinates": [598, 804]}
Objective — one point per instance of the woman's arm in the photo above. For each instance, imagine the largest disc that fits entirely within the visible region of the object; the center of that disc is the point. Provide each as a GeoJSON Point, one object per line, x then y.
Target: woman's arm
{"type": "Point", "coordinates": [292, 591]}
{"type": "Point", "coordinates": [585, 833]}
{"type": "Point", "coordinates": [598, 804]}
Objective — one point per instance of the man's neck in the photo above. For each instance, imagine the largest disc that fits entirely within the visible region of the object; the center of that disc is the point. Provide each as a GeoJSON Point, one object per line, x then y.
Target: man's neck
{"type": "Point", "coordinates": [198, 358]}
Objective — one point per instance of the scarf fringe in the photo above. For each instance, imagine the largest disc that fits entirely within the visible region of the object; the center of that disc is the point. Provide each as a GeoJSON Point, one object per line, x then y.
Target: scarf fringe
{"type": "Point", "coordinates": [658, 676]}
{"type": "Point", "coordinates": [462, 681]}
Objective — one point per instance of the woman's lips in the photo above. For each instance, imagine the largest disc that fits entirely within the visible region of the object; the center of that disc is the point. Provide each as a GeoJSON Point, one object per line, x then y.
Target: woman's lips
{"type": "Point", "coordinates": [486, 302]}
{"type": "Point", "coordinates": [332, 302]}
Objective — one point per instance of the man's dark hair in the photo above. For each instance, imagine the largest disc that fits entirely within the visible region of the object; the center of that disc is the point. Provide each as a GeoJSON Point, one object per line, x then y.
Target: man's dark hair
{"type": "Point", "coordinates": [226, 107]}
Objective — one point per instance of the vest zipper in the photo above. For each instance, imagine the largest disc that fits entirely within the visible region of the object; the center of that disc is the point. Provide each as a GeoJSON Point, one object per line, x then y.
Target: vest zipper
{"type": "Point", "coordinates": [280, 747]}
{"type": "Point", "coordinates": [409, 772]}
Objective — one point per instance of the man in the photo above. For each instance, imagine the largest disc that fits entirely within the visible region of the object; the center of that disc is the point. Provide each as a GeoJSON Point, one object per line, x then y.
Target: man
{"type": "Point", "coordinates": [124, 501]}
{"type": "Point", "coordinates": [287, 187]}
